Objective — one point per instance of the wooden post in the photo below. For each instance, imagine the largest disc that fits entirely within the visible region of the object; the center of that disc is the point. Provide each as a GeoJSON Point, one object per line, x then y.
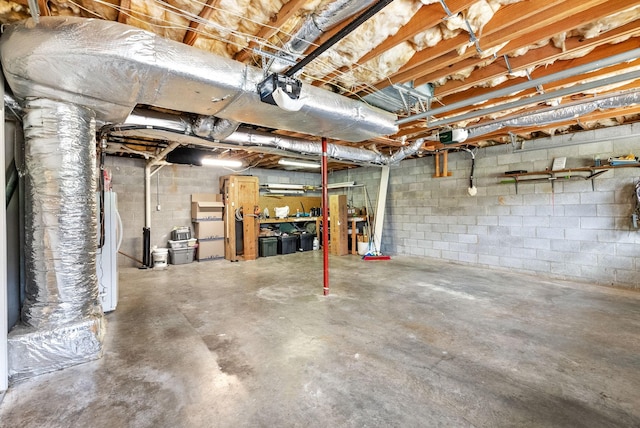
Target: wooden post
{"type": "Point", "coordinates": [445, 164]}
{"type": "Point", "coordinates": [339, 225]}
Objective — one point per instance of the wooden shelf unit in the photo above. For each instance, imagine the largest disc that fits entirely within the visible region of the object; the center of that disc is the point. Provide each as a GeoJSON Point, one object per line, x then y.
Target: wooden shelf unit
{"type": "Point", "coordinates": [580, 173]}
{"type": "Point", "coordinates": [318, 221]}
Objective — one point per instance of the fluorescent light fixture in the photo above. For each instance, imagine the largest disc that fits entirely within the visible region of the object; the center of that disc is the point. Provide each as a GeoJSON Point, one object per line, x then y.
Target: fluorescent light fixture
{"type": "Point", "coordinates": [285, 186]}
{"type": "Point", "coordinates": [340, 185]}
{"type": "Point", "coordinates": [286, 191]}
{"type": "Point", "coordinates": [221, 162]}
{"type": "Point", "coordinates": [299, 163]}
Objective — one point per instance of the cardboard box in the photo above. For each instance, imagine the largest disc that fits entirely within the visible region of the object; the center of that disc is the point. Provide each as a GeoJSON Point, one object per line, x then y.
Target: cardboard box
{"type": "Point", "coordinates": [210, 249]}
{"type": "Point", "coordinates": [209, 229]}
{"type": "Point", "coordinates": [206, 206]}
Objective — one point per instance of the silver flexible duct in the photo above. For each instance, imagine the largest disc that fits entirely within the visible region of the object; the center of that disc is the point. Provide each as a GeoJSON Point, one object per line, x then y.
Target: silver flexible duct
{"type": "Point", "coordinates": [61, 322]}
{"type": "Point", "coordinates": [214, 128]}
{"type": "Point", "coordinates": [144, 123]}
{"type": "Point", "coordinates": [558, 114]}
{"type": "Point", "coordinates": [318, 23]}
{"type": "Point", "coordinates": [111, 67]}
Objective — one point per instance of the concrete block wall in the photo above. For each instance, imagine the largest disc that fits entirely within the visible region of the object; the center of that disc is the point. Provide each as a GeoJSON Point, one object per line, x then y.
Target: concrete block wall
{"type": "Point", "coordinates": [573, 232]}
{"type": "Point", "coordinates": [171, 188]}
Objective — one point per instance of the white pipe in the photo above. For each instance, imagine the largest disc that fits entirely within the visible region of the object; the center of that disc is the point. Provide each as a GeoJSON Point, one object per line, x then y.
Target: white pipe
{"type": "Point", "coordinates": [4, 311]}
{"type": "Point", "coordinates": [147, 195]}
{"type": "Point", "coordinates": [585, 68]}
{"type": "Point", "coordinates": [156, 161]}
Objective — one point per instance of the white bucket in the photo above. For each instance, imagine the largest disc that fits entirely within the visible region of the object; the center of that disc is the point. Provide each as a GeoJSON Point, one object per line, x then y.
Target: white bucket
{"type": "Point", "coordinates": [160, 257]}
{"type": "Point", "coordinates": [363, 248]}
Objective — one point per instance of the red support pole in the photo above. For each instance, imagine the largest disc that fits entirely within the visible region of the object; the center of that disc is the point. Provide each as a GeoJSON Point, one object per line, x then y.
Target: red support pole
{"type": "Point", "coordinates": [325, 218]}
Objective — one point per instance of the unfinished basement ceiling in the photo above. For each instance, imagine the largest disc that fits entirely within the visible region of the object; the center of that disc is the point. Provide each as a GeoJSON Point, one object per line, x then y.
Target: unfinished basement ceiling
{"type": "Point", "coordinates": [460, 59]}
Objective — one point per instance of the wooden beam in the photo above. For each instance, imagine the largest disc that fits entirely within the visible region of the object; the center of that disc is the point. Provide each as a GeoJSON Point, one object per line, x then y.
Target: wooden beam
{"type": "Point", "coordinates": [543, 56]}
{"type": "Point", "coordinates": [288, 10]}
{"type": "Point", "coordinates": [576, 16]}
{"type": "Point", "coordinates": [506, 24]}
{"type": "Point", "coordinates": [547, 24]}
{"type": "Point", "coordinates": [124, 11]}
{"type": "Point", "coordinates": [191, 35]}
{"type": "Point", "coordinates": [554, 68]}
{"type": "Point", "coordinates": [426, 17]}
{"type": "Point", "coordinates": [43, 5]}
{"type": "Point", "coordinates": [549, 88]}
{"type": "Point", "coordinates": [444, 54]}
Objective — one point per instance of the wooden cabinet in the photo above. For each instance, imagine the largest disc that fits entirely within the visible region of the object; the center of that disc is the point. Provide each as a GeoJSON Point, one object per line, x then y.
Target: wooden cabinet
{"type": "Point", "coordinates": [241, 195]}
{"type": "Point", "coordinates": [338, 226]}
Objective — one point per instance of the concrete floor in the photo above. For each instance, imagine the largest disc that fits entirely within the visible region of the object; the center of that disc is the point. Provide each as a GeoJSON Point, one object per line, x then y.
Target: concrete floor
{"type": "Point", "coordinates": [407, 342]}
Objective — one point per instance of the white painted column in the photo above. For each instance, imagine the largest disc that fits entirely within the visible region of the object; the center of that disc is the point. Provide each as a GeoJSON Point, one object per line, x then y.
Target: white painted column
{"type": "Point", "coordinates": [4, 311]}
{"type": "Point", "coordinates": [380, 207]}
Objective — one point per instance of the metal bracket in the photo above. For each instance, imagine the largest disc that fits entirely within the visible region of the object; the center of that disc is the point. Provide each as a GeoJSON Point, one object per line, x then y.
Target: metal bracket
{"type": "Point", "coordinates": [446, 8]}
{"type": "Point", "coordinates": [472, 37]}
{"type": "Point", "coordinates": [506, 60]}
{"type": "Point", "coordinates": [539, 88]}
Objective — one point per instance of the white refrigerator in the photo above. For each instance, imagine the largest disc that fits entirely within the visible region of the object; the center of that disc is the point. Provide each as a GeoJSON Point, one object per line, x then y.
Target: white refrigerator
{"type": "Point", "coordinates": [107, 254]}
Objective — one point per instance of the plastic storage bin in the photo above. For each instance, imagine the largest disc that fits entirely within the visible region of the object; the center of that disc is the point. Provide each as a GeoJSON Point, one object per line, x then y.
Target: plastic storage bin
{"type": "Point", "coordinates": [305, 241]}
{"type": "Point", "coordinates": [181, 256]}
{"type": "Point", "coordinates": [181, 233]}
{"type": "Point", "coordinates": [183, 243]}
{"type": "Point", "coordinates": [268, 246]}
{"type": "Point", "coordinates": [287, 244]}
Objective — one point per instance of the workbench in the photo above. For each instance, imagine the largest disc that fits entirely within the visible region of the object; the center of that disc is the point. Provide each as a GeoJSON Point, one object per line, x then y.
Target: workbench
{"type": "Point", "coordinates": [318, 220]}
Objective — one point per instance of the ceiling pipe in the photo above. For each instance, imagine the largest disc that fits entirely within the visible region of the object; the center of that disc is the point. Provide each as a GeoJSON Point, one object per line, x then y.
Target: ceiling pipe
{"type": "Point", "coordinates": [361, 19]}
{"type": "Point", "coordinates": [214, 128]}
{"type": "Point", "coordinates": [179, 128]}
{"type": "Point", "coordinates": [315, 25]}
{"type": "Point", "coordinates": [558, 114]}
{"type": "Point", "coordinates": [585, 68]}
{"type": "Point", "coordinates": [539, 98]}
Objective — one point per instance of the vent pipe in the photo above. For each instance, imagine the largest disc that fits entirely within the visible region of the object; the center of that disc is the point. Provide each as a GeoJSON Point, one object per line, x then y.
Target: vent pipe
{"type": "Point", "coordinates": [61, 322]}
{"type": "Point", "coordinates": [158, 125]}
{"type": "Point", "coordinates": [317, 24]}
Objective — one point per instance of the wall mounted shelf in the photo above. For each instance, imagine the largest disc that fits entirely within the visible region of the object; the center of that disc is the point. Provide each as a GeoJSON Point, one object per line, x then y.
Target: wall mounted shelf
{"type": "Point", "coordinates": [581, 173]}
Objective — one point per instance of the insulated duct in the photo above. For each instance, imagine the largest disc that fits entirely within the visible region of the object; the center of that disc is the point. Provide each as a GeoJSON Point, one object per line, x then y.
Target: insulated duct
{"type": "Point", "coordinates": [317, 24]}
{"type": "Point", "coordinates": [558, 114]}
{"type": "Point", "coordinates": [178, 128]}
{"type": "Point", "coordinates": [214, 128]}
{"type": "Point", "coordinates": [61, 322]}
{"type": "Point", "coordinates": [62, 57]}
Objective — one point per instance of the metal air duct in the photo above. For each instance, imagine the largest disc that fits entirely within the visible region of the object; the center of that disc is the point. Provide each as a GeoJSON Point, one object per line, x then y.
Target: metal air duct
{"type": "Point", "coordinates": [111, 67]}
{"type": "Point", "coordinates": [317, 24]}
{"type": "Point", "coordinates": [178, 128]}
{"type": "Point", "coordinates": [559, 114]}
{"type": "Point", "coordinates": [61, 321]}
